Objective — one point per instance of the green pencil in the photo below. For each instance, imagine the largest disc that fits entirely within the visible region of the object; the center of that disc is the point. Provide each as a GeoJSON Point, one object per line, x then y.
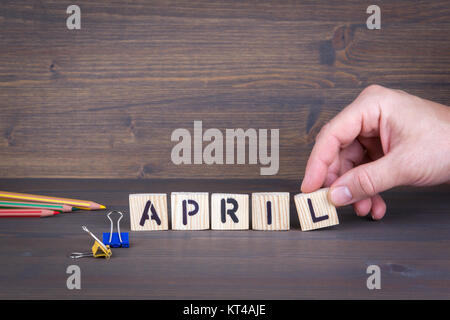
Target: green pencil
{"type": "Point", "coordinates": [57, 207]}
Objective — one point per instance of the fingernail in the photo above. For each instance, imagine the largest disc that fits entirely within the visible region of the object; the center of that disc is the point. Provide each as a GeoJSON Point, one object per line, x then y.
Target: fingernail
{"type": "Point", "coordinates": [340, 196]}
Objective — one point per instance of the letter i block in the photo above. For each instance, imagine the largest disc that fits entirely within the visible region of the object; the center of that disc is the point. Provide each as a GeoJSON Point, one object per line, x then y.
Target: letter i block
{"type": "Point", "coordinates": [190, 210]}
{"type": "Point", "coordinates": [270, 211]}
{"type": "Point", "coordinates": [148, 211]}
{"type": "Point", "coordinates": [315, 211]}
{"type": "Point", "coordinates": [229, 211]}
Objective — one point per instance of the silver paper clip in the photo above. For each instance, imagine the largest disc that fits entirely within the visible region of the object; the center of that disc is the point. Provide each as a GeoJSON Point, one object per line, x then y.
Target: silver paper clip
{"type": "Point", "coordinates": [112, 226]}
{"type": "Point", "coordinates": [76, 255]}
{"type": "Point", "coordinates": [99, 249]}
{"type": "Point", "coordinates": [116, 239]}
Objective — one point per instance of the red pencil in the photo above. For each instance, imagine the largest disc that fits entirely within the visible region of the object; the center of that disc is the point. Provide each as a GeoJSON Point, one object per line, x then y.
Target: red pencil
{"type": "Point", "coordinates": [26, 213]}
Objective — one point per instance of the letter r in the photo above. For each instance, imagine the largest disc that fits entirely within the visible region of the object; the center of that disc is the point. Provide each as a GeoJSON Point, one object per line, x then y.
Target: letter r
{"type": "Point", "coordinates": [230, 212]}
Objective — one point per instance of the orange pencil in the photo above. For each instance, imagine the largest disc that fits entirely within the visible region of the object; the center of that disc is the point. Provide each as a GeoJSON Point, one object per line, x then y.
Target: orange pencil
{"type": "Point", "coordinates": [82, 204]}
{"type": "Point", "coordinates": [26, 213]}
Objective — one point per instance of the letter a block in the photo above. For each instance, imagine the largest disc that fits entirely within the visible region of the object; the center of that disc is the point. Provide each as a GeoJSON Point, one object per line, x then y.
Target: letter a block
{"type": "Point", "coordinates": [229, 211]}
{"type": "Point", "coordinates": [148, 212]}
{"type": "Point", "coordinates": [270, 211]}
{"type": "Point", "coordinates": [190, 210]}
{"type": "Point", "coordinates": [315, 211]}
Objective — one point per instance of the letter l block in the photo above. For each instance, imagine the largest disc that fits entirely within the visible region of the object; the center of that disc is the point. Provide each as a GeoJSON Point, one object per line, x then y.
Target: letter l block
{"type": "Point", "coordinates": [315, 211]}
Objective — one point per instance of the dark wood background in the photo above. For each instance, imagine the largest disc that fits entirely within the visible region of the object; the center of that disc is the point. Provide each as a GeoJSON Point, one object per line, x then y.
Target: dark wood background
{"type": "Point", "coordinates": [102, 101]}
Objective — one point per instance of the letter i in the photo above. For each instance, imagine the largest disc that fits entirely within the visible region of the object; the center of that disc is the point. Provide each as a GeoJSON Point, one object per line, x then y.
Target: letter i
{"type": "Point", "coordinates": [269, 212]}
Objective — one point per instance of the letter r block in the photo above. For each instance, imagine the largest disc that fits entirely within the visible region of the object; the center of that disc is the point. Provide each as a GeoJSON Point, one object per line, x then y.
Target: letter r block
{"type": "Point", "coordinates": [315, 211]}
{"type": "Point", "coordinates": [270, 211]}
{"type": "Point", "coordinates": [229, 211]}
{"type": "Point", "coordinates": [190, 210]}
{"type": "Point", "coordinates": [148, 212]}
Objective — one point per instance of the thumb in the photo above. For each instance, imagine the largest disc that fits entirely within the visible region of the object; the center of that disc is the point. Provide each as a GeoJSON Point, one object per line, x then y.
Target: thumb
{"type": "Point", "coordinates": [364, 181]}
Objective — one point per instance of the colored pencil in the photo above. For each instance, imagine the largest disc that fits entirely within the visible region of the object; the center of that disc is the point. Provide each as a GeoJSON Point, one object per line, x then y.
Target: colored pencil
{"type": "Point", "coordinates": [26, 213]}
{"type": "Point", "coordinates": [82, 204]}
{"type": "Point", "coordinates": [35, 205]}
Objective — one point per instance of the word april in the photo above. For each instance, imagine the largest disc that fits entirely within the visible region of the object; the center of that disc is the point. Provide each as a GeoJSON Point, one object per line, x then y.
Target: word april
{"type": "Point", "coordinates": [270, 211]}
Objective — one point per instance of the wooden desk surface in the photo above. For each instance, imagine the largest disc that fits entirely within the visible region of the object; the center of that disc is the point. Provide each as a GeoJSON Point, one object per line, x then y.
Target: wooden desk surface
{"type": "Point", "coordinates": [102, 102]}
{"type": "Point", "coordinates": [411, 246]}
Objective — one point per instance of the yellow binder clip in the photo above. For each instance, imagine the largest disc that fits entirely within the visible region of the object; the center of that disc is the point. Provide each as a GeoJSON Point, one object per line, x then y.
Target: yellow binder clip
{"type": "Point", "coordinates": [99, 249]}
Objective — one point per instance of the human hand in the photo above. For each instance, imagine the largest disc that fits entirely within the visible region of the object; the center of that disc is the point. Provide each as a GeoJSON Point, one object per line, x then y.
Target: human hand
{"type": "Point", "coordinates": [385, 138]}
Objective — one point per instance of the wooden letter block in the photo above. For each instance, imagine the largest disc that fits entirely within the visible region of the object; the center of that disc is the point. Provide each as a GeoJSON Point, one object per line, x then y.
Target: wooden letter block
{"type": "Point", "coordinates": [229, 211]}
{"type": "Point", "coordinates": [190, 210]}
{"type": "Point", "coordinates": [270, 211]}
{"type": "Point", "coordinates": [148, 211]}
{"type": "Point", "coordinates": [315, 211]}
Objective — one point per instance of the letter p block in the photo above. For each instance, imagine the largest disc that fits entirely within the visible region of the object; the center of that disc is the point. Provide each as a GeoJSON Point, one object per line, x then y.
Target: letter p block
{"type": "Point", "coordinates": [190, 210]}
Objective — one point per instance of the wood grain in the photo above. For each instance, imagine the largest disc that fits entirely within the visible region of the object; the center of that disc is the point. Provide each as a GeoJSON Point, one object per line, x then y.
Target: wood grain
{"type": "Point", "coordinates": [102, 101]}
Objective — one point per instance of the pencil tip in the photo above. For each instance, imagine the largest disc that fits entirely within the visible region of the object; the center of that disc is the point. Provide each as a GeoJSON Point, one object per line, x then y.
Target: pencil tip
{"type": "Point", "coordinates": [102, 207]}
{"type": "Point", "coordinates": [56, 212]}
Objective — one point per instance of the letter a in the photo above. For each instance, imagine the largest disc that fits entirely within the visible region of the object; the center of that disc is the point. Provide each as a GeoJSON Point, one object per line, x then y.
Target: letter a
{"type": "Point", "coordinates": [144, 217]}
{"type": "Point", "coordinates": [74, 20]}
{"type": "Point", "coordinates": [374, 21]}
{"type": "Point", "coordinates": [374, 280]}
{"type": "Point", "coordinates": [74, 280]}
{"type": "Point", "coordinates": [181, 153]}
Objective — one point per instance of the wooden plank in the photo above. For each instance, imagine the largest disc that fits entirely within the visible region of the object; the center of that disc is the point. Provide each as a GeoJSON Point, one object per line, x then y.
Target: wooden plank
{"type": "Point", "coordinates": [270, 211]}
{"type": "Point", "coordinates": [229, 211]}
{"type": "Point", "coordinates": [137, 71]}
{"type": "Point", "coordinates": [190, 210]}
{"type": "Point", "coordinates": [148, 212]}
{"type": "Point", "coordinates": [315, 211]}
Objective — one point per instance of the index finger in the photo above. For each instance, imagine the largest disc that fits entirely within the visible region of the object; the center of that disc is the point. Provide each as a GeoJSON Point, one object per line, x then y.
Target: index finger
{"type": "Point", "coordinates": [362, 115]}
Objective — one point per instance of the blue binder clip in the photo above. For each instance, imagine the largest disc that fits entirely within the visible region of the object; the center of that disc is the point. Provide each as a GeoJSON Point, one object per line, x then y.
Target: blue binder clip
{"type": "Point", "coordinates": [116, 239]}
